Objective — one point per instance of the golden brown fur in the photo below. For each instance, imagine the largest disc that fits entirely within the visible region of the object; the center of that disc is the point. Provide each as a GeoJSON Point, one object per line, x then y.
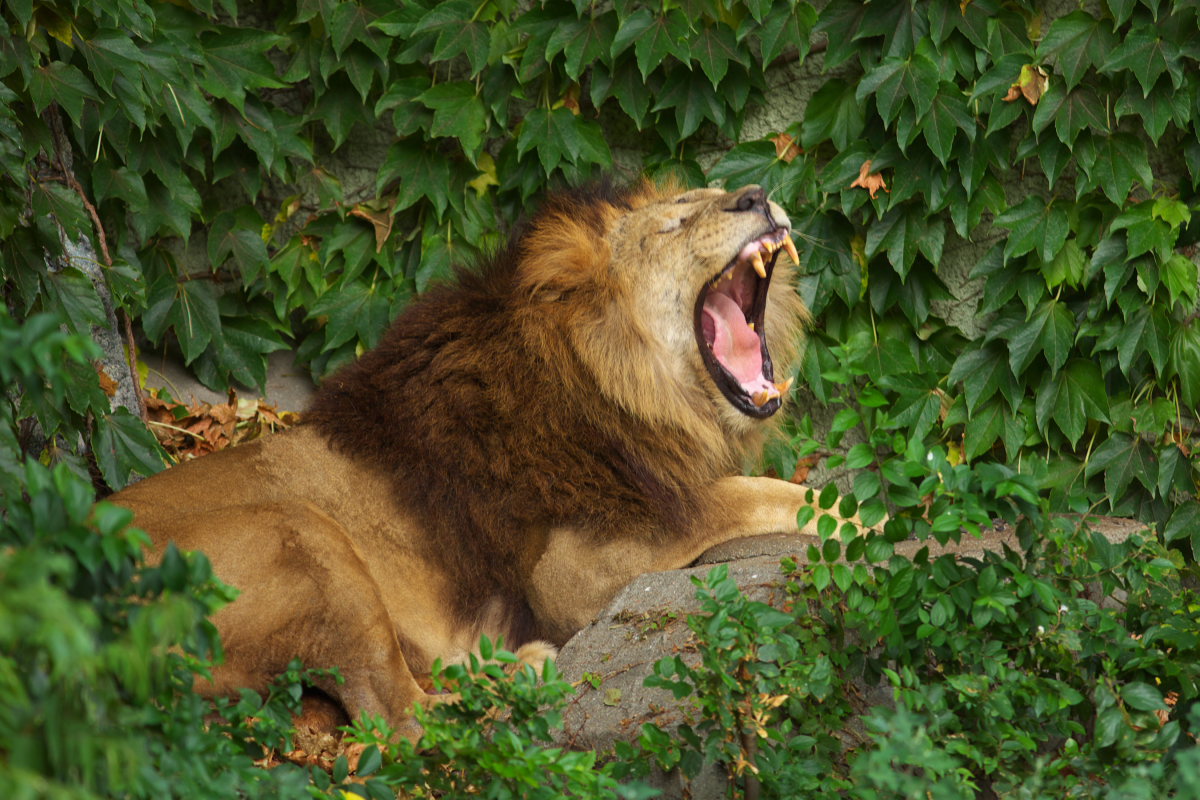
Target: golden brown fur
{"type": "Point", "coordinates": [523, 441]}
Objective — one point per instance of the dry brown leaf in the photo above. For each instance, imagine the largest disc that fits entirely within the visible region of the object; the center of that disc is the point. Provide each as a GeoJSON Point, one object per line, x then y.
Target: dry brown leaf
{"type": "Point", "coordinates": [786, 148]}
{"type": "Point", "coordinates": [1031, 84]}
{"type": "Point", "coordinates": [190, 431]}
{"type": "Point", "coordinates": [803, 466]}
{"type": "Point", "coordinates": [381, 221]}
{"type": "Point", "coordinates": [871, 181]}
{"type": "Point", "coordinates": [106, 382]}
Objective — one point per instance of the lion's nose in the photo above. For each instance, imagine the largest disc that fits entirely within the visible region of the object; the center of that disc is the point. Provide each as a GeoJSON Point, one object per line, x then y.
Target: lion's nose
{"type": "Point", "coordinates": [751, 198]}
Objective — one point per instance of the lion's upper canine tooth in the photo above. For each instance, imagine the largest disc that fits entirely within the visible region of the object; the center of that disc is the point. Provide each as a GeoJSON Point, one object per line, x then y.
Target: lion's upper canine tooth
{"type": "Point", "coordinates": [790, 246]}
{"type": "Point", "coordinates": [756, 261]}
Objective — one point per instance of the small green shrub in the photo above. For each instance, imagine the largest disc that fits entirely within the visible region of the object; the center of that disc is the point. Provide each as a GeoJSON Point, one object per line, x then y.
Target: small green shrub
{"type": "Point", "coordinates": [491, 742]}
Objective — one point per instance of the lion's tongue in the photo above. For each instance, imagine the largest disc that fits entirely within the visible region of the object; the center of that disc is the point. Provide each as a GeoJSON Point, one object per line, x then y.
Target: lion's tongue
{"type": "Point", "coordinates": [735, 345]}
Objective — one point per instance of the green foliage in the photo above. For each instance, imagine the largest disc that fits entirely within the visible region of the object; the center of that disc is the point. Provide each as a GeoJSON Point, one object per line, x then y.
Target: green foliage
{"type": "Point", "coordinates": [98, 652]}
{"type": "Point", "coordinates": [490, 740]}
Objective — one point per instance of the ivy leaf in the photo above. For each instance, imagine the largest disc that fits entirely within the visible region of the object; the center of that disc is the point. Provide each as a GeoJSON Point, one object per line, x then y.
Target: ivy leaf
{"type": "Point", "coordinates": [1050, 330]}
{"type": "Point", "coordinates": [1071, 112]}
{"type": "Point", "coordinates": [693, 101]}
{"type": "Point", "coordinates": [1067, 266]}
{"type": "Point", "coordinates": [120, 182]}
{"type": "Point", "coordinates": [1147, 56]}
{"type": "Point", "coordinates": [559, 135]}
{"type": "Point", "coordinates": [1071, 398]}
{"type": "Point", "coordinates": [714, 48]}
{"type": "Point", "coordinates": [352, 309]}
{"type": "Point", "coordinates": [835, 113]}
{"type": "Point", "coordinates": [900, 232]}
{"type": "Point", "coordinates": [237, 61]}
{"type": "Point", "coordinates": [1184, 363]}
{"type": "Point", "coordinates": [1076, 42]}
{"type": "Point", "coordinates": [458, 32]}
{"type": "Point", "coordinates": [457, 113]}
{"type": "Point", "coordinates": [1145, 331]}
{"type": "Point", "coordinates": [1185, 519]}
{"type": "Point", "coordinates": [423, 172]}
{"type": "Point", "coordinates": [123, 445]}
{"type": "Point", "coordinates": [582, 42]}
{"type": "Point", "coordinates": [244, 344]}
{"type": "Point", "coordinates": [1155, 110]}
{"type": "Point", "coordinates": [750, 162]}
{"type": "Point", "coordinates": [626, 84]}
{"type": "Point", "coordinates": [1034, 224]}
{"type": "Point", "coordinates": [62, 83]}
{"type": "Point", "coordinates": [947, 115]}
{"type": "Point", "coordinates": [1179, 276]}
{"type": "Point", "coordinates": [76, 295]}
{"type": "Point", "coordinates": [787, 25]}
{"type": "Point", "coordinates": [1121, 10]}
{"type": "Point", "coordinates": [348, 24]}
{"type": "Point", "coordinates": [195, 318]}
{"type": "Point", "coordinates": [653, 38]}
{"type": "Point", "coordinates": [895, 80]}
{"type": "Point", "coordinates": [983, 372]}
{"type": "Point", "coordinates": [339, 110]}
{"type": "Point", "coordinates": [983, 429]}
{"type": "Point", "coordinates": [111, 54]}
{"type": "Point", "coordinates": [1123, 459]}
{"type": "Point", "coordinates": [238, 235]}
{"type": "Point", "coordinates": [1113, 163]}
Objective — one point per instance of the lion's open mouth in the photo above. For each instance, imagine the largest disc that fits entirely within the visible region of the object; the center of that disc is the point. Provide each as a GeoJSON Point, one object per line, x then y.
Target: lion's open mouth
{"type": "Point", "coordinates": [729, 326]}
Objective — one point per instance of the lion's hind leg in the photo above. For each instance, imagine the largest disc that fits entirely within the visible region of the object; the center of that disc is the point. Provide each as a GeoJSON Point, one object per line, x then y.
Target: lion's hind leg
{"type": "Point", "coordinates": [306, 593]}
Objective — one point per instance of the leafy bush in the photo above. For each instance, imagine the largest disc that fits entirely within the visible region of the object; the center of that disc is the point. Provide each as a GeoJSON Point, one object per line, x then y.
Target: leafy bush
{"type": "Point", "coordinates": [492, 741]}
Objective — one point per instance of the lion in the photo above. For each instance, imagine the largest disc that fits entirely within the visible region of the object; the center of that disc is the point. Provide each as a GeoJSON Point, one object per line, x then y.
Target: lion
{"type": "Point", "coordinates": [524, 441]}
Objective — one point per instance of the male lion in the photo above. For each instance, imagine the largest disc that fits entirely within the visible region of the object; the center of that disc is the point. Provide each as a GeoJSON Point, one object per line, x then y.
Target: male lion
{"type": "Point", "coordinates": [522, 443]}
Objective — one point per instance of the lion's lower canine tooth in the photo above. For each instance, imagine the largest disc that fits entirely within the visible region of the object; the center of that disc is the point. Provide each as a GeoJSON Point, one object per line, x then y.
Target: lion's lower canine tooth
{"type": "Point", "coordinates": [790, 246]}
{"type": "Point", "coordinates": [783, 387]}
{"type": "Point", "coordinates": [759, 267]}
{"type": "Point", "coordinates": [760, 398]}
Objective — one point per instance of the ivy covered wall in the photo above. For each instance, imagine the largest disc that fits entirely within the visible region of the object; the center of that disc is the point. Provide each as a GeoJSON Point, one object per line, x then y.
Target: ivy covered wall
{"type": "Point", "coordinates": [216, 165]}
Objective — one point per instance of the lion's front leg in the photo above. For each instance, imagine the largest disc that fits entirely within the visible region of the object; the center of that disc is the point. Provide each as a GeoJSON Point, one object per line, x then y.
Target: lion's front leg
{"type": "Point", "coordinates": [580, 571]}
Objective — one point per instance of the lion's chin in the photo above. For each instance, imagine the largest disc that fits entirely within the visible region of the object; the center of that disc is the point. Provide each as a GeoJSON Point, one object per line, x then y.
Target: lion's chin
{"type": "Point", "coordinates": [730, 310]}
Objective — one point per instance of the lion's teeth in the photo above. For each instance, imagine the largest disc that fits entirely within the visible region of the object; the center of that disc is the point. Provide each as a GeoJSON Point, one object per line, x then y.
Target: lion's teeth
{"type": "Point", "coordinates": [785, 386]}
{"type": "Point", "coordinates": [756, 261]}
{"type": "Point", "coordinates": [761, 398]}
{"type": "Point", "coordinates": [751, 326]}
{"type": "Point", "coordinates": [790, 246]}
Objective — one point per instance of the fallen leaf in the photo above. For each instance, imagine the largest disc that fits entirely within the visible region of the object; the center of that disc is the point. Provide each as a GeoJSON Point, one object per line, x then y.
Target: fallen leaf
{"type": "Point", "coordinates": [786, 148]}
{"type": "Point", "coordinates": [868, 180]}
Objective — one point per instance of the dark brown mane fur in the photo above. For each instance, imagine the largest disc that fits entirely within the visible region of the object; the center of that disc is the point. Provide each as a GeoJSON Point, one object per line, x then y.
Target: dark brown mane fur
{"type": "Point", "coordinates": [472, 403]}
